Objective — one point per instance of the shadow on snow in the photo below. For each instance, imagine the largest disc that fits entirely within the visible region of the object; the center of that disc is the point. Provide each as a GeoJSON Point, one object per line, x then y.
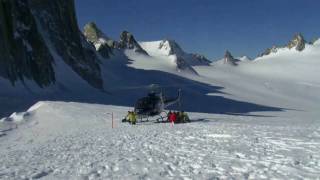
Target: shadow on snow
{"type": "Point", "coordinates": [116, 73]}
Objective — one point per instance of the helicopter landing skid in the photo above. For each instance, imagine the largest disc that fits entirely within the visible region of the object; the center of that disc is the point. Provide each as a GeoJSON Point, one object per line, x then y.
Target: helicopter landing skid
{"type": "Point", "coordinates": [162, 117]}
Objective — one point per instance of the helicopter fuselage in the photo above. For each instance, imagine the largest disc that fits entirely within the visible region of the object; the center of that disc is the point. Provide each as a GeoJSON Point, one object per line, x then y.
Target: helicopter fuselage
{"type": "Point", "coordinates": [153, 104]}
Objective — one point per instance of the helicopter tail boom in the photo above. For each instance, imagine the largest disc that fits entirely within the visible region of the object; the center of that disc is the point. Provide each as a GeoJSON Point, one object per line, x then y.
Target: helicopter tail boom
{"type": "Point", "coordinates": [169, 102]}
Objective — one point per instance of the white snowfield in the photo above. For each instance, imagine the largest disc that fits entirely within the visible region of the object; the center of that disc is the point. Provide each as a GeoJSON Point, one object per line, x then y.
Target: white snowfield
{"type": "Point", "coordinates": [281, 140]}
{"type": "Point", "coordinates": [62, 140]}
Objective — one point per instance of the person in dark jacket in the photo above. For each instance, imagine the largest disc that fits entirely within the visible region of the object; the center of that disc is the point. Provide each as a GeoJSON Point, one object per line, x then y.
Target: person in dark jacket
{"type": "Point", "coordinates": [176, 115]}
{"type": "Point", "coordinates": [168, 116]}
{"type": "Point", "coordinates": [184, 117]}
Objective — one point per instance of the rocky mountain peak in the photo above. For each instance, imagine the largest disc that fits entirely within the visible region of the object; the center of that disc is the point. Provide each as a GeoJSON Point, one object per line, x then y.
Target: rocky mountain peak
{"type": "Point", "coordinates": [127, 41]}
{"type": "Point", "coordinates": [102, 43]}
{"type": "Point", "coordinates": [298, 42]}
{"type": "Point", "coordinates": [171, 47]}
{"type": "Point", "coordinates": [92, 32]}
{"type": "Point", "coordinates": [229, 59]}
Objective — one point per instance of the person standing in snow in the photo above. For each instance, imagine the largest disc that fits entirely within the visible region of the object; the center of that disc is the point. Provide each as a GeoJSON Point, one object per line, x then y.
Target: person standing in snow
{"type": "Point", "coordinates": [177, 116]}
{"type": "Point", "coordinates": [184, 117]}
{"type": "Point", "coordinates": [168, 116]}
{"type": "Point", "coordinates": [126, 119]}
{"type": "Point", "coordinates": [173, 117]}
{"type": "Point", "coordinates": [132, 118]}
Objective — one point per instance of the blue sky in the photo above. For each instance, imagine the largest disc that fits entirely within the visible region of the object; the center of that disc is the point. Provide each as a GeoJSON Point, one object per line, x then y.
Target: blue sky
{"type": "Point", "coordinates": [209, 27]}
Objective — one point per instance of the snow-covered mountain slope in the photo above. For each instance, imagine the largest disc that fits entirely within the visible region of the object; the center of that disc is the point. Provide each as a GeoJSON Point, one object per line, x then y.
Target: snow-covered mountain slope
{"type": "Point", "coordinates": [171, 64]}
{"type": "Point", "coordinates": [59, 140]}
{"type": "Point", "coordinates": [288, 78]}
{"type": "Point", "coordinates": [171, 53]}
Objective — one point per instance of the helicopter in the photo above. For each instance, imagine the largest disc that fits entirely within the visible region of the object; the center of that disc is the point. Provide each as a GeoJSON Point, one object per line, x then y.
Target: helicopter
{"type": "Point", "coordinates": [154, 104]}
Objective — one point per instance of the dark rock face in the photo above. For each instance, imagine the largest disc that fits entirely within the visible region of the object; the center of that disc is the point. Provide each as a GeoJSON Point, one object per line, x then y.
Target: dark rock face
{"type": "Point", "coordinates": [127, 41]}
{"type": "Point", "coordinates": [23, 52]}
{"type": "Point", "coordinates": [102, 43]}
{"type": "Point", "coordinates": [201, 59]}
{"type": "Point", "coordinates": [183, 65]}
{"type": "Point", "coordinates": [31, 29]}
{"type": "Point", "coordinates": [268, 51]}
{"type": "Point", "coordinates": [298, 42]}
{"type": "Point", "coordinates": [58, 21]}
{"type": "Point", "coordinates": [229, 59]}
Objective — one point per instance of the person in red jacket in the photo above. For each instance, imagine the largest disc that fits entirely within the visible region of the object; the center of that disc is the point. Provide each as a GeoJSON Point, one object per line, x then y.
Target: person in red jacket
{"type": "Point", "coordinates": [172, 117]}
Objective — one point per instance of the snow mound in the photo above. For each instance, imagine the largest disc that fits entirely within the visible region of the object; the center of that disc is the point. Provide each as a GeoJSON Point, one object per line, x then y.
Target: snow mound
{"type": "Point", "coordinates": [20, 117]}
{"type": "Point", "coordinates": [36, 106]}
{"type": "Point", "coordinates": [17, 119]}
{"type": "Point", "coordinates": [317, 42]}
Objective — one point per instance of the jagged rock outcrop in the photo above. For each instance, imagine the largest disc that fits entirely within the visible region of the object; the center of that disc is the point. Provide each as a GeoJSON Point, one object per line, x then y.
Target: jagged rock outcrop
{"type": "Point", "coordinates": [33, 32]}
{"type": "Point", "coordinates": [127, 41]}
{"type": "Point", "coordinates": [298, 42]}
{"type": "Point", "coordinates": [229, 59]}
{"type": "Point", "coordinates": [183, 65]}
{"type": "Point", "coordinates": [102, 43]}
{"type": "Point", "coordinates": [200, 59]}
{"type": "Point", "coordinates": [268, 51]}
{"type": "Point", "coordinates": [23, 52]}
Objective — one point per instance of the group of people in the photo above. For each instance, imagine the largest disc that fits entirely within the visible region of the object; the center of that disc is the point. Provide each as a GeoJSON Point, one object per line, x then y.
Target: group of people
{"type": "Point", "coordinates": [178, 117]}
{"type": "Point", "coordinates": [173, 117]}
{"type": "Point", "coordinates": [131, 118]}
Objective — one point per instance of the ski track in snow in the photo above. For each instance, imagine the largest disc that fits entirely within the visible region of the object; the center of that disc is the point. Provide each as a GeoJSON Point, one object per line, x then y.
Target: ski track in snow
{"type": "Point", "coordinates": [220, 146]}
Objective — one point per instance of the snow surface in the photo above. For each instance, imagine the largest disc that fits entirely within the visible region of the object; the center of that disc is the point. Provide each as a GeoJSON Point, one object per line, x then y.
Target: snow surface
{"type": "Point", "coordinates": [76, 141]}
{"type": "Point", "coordinates": [258, 120]}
